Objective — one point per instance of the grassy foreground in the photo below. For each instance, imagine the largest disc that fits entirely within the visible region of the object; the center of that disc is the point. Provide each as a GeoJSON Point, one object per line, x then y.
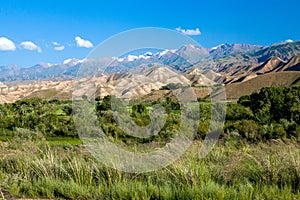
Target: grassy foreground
{"type": "Point", "coordinates": [233, 170]}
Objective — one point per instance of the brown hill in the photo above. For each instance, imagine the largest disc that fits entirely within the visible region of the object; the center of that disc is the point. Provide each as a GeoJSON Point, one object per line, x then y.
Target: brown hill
{"type": "Point", "coordinates": [292, 65]}
{"type": "Point", "coordinates": [270, 65]}
{"type": "Point", "coordinates": [274, 64]}
{"type": "Point", "coordinates": [213, 75]}
{"type": "Point", "coordinates": [199, 79]}
{"type": "Point", "coordinates": [280, 79]}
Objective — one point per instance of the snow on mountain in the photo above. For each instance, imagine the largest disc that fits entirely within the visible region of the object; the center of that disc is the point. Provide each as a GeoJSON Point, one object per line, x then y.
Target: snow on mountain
{"type": "Point", "coordinates": [216, 47]}
{"type": "Point", "coordinates": [46, 65]}
{"type": "Point", "coordinates": [72, 61]}
{"type": "Point", "coordinates": [231, 59]}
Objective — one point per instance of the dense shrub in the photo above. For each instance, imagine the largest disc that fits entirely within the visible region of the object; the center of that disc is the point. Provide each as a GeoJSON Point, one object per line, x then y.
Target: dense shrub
{"type": "Point", "coordinates": [272, 113]}
{"type": "Point", "coordinates": [275, 109]}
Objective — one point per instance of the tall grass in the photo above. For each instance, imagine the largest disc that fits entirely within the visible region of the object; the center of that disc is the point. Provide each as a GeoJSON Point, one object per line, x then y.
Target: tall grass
{"type": "Point", "coordinates": [231, 171]}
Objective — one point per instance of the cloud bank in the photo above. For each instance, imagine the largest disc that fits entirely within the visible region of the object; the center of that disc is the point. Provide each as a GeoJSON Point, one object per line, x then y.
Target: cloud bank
{"type": "Point", "coordinates": [189, 31]}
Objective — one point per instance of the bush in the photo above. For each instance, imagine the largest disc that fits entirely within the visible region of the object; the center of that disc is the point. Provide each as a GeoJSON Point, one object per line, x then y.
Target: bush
{"type": "Point", "coordinates": [140, 115]}
{"type": "Point", "coordinates": [274, 103]}
{"type": "Point", "coordinates": [272, 131]}
{"type": "Point", "coordinates": [248, 129]}
{"type": "Point", "coordinates": [236, 111]}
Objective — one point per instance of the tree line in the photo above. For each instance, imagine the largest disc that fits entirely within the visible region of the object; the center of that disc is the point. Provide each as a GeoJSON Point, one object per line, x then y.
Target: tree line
{"type": "Point", "coordinates": [271, 113]}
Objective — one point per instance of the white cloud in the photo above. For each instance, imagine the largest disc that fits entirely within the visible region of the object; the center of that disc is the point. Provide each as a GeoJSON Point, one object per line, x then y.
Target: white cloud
{"type": "Point", "coordinates": [72, 61]}
{"type": "Point", "coordinates": [6, 44]}
{"type": "Point", "coordinates": [131, 58]}
{"type": "Point", "coordinates": [59, 48]}
{"type": "Point", "coordinates": [189, 31]}
{"type": "Point", "coordinates": [289, 40]}
{"type": "Point", "coordinates": [55, 43]}
{"type": "Point", "coordinates": [83, 43]}
{"type": "Point", "coordinates": [28, 45]}
{"type": "Point", "coordinates": [164, 52]}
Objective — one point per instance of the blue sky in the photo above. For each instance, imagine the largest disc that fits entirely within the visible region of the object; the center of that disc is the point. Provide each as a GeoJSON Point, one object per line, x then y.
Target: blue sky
{"type": "Point", "coordinates": [37, 27]}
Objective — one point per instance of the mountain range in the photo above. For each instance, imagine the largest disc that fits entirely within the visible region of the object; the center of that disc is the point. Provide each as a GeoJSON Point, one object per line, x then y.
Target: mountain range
{"type": "Point", "coordinates": [232, 65]}
{"type": "Point", "coordinates": [228, 59]}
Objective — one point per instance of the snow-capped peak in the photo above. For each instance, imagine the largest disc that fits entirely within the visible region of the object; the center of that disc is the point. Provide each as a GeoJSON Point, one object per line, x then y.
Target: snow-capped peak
{"type": "Point", "coordinates": [214, 48]}
{"type": "Point", "coordinates": [192, 46]}
{"type": "Point", "coordinates": [45, 65]}
{"type": "Point", "coordinates": [72, 61]}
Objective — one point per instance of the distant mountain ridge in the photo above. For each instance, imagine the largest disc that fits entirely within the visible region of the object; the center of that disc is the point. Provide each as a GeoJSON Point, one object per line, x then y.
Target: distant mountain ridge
{"type": "Point", "coordinates": [232, 49]}
{"type": "Point", "coordinates": [282, 50]}
{"type": "Point", "coordinates": [233, 61]}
